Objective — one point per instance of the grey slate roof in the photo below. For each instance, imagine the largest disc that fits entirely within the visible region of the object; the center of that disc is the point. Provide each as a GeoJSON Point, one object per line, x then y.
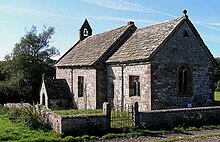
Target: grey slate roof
{"type": "Point", "coordinates": [140, 46]}
{"type": "Point", "coordinates": [57, 88]}
{"type": "Point", "coordinates": [88, 51]}
{"type": "Point", "coordinates": [144, 41]}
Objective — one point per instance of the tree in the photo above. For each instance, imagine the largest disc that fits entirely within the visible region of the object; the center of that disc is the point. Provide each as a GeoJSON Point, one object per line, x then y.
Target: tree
{"type": "Point", "coordinates": [36, 45]}
{"type": "Point", "coordinates": [21, 74]}
{"type": "Point", "coordinates": [8, 57]}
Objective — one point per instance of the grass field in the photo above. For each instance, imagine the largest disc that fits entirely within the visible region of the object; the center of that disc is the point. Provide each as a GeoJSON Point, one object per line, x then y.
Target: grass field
{"type": "Point", "coordinates": [74, 111]}
{"type": "Point", "coordinates": [12, 132]}
{"type": "Point", "coordinates": [217, 96]}
{"type": "Point", "coordinates": [17, 132]}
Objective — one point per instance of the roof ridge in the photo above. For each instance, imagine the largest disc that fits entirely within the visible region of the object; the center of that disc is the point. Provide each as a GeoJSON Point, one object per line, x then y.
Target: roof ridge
{"type": "Point", "coordinates": [110, 30]}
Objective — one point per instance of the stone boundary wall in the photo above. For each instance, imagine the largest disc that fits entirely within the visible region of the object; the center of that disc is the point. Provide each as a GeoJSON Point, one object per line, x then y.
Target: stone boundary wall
{"type": "Point", "coordinates": [17, 105]}
{"type": "Point", "coordinates": [170, 118]}
{"type": "Point", "coordinates": [79, 124]}
{"type": "Point", "coordinates": [83, 124]}
{"type": "Point", "coordinates": [54, 120]}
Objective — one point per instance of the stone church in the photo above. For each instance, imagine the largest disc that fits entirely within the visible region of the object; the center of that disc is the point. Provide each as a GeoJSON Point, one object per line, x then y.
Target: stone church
{"type": "Point", "coordinates": [160, 66]}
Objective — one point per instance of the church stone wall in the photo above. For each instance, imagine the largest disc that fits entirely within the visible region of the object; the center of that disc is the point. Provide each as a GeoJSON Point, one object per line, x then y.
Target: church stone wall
{"type": "Point", "coordinates": [177, 51]}
{"type": "Point", "coordinates": [101, 89]}
{"type": "Point", "coordinates": [88, 101]}
{"type": "Point", "coordinates": [116, 75]}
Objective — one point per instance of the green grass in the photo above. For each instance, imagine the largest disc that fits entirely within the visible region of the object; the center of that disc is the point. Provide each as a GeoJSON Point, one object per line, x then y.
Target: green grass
{"type": "Point", "coordinates": [75, 112]}
{"type": "Point", "coordinates": [217, 96]}
{"type": "Point", "coordinates": [17, 132]}
{"type": "Point", "coordinates": [133, 132]}
{"type": "Point", "coordinates": [121, 119]}
{"type": "Point", "coordinates": [10, 131]}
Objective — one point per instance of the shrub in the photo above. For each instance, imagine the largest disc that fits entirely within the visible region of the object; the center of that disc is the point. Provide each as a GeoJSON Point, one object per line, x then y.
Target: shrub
{"type": "Point", "coordinates": [114, 135]}
{"type": "Point", "coordinates": [3, 110]}
{"type": "Point", "coordinates": [69, 139]}
{"type": "Point", "coordinates": [30, 116]}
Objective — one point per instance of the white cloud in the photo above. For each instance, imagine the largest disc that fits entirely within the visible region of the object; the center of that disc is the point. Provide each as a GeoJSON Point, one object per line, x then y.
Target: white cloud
{"type": "Point", "coordinates": [80, 17]}
{"type": "Point", "coordinates": [124, 5]}
{"type": "Point", "coordinates": [121, 19]}
{"type": "Point", "coordinates": [207, 25]}
{"type": "Point", "coordinates": [214, 24]}
{"type": "Point", "coordinates": [149, 9]}
{"type": "Point", "coordinates": [212, 38]}
{"type": "Point", "coordinates": [118, 5]}
{"type": "Point", "coordinates": [40, 12]}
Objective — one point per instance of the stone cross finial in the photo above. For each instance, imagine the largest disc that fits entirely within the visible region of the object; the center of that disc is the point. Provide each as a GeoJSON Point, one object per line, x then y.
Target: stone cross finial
{"type": "Point", "coordinates": [184, 14]}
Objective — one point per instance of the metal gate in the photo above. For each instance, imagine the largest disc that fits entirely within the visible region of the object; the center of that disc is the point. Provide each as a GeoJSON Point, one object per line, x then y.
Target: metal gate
{"type": "Point", "coordinates": [122, 117]}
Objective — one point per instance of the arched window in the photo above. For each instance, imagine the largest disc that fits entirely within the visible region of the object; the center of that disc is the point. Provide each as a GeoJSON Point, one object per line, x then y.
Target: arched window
{"type": "Point", "coordinates": [134, 86]}
{"type": "Point", "coordinates": [80, 86]}
{"type": "Point", "coordinates": [185, 34]}
{"type": "Point", "coordinates": [43, 99]}
{"type": "Point", "coordinates": [185, 81]}
{"type": "Point", "coordinates": [85, 32]}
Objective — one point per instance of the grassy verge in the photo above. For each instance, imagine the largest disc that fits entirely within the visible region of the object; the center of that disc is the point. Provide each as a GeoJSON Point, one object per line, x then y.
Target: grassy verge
{"type": "Point", "coordinates": [133, 132]}
{"type": "Point", "coordinates": [74, 111]}
{"type": "Point", "coordinates": [14, 132]}
{"type": "Point", "coordinates": [217, 96]}
{"type": "Point", "coordinates": [20, 132]}
{"type": "Point", "coordinates": [13, 129]}
{"type": "Point", "coordinates": [17, 132]}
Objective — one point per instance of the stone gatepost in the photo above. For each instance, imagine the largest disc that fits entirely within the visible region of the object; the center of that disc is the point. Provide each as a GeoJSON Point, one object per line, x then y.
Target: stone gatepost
{"type": "Point", "coordinates": [107, 111]}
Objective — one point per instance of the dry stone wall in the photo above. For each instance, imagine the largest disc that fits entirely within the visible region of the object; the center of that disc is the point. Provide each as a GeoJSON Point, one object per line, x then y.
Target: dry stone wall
{"type": "Point", "coordinates": [79, 124]}
{"type": "Point", "coordinates": [179, 117]}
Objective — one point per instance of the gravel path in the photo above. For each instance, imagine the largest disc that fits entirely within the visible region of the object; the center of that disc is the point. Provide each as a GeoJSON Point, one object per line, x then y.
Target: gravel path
{"type": "Point", "coordinates": [186, 134]}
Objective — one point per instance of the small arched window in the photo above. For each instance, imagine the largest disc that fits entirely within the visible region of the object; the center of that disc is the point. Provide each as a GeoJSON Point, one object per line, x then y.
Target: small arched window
{"type": "Point", "coordinates": [85, 32]}
{"type": "Point", "coordinates": [185, 33]}
{"type": "Point", "coordinates": [185, 81]}
{"type": "Point", "coordinates": [43, 99]}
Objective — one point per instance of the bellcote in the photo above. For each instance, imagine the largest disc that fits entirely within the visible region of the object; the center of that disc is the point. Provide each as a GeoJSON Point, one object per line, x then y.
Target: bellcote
{"type": "Point", "coordinates": [85, 30]}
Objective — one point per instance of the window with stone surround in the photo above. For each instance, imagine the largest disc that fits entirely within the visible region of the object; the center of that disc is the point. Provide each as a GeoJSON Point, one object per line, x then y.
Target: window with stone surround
{"type": "Point", "coordinates": [134, 86]}
{"type": "Point", "coordinates": [185, 81]}
{"type": "Point", "coordinates": [80, 86]}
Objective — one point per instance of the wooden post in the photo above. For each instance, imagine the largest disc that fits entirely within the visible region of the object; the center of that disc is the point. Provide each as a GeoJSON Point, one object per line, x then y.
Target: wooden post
{"type": "Point", "coordinates": [136, 114]}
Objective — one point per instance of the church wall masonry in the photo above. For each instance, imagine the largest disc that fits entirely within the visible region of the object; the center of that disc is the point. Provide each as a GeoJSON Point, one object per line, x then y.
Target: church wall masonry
{"type": "Point", "coordinates": [88, 100]}
{"type": "Point", "coordinates": [118, 75]}
{"type": "Point", "coordinates": [178, 51]}
{"type": "Point", "coordinates": [161, 66]}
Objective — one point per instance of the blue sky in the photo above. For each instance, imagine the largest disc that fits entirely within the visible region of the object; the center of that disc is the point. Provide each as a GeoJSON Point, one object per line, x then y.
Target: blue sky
{"type": "Point", "coordinates": [67, 16]}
